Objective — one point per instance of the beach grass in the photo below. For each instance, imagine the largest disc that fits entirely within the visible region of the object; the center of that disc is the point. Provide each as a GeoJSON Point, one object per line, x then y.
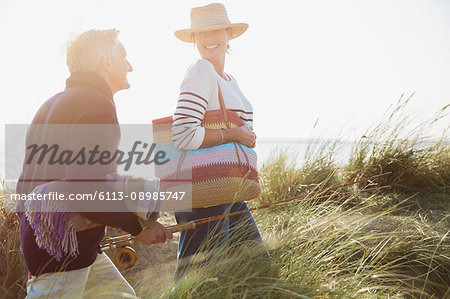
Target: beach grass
{"type": "Point", "coordinates": [403, 146]}
{"type": "Point", "coordinates": [388, 238]}
{"type": "Point", "coordinates": [13, 272]}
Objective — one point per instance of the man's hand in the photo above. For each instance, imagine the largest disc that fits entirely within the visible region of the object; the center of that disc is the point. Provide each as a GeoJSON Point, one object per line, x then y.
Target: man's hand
{"type": "Point", "coordinates": [158, 233]}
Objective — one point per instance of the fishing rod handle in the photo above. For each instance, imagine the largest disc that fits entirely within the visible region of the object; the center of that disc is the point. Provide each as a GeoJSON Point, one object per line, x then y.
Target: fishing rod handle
{"type": "Point", "coordinates": [182, 227]}
{"type": "Point", "coordinates": [124, 240]}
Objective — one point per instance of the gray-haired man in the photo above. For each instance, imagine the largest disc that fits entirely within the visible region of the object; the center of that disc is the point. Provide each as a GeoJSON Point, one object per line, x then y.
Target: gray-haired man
{"type": "Point", "coordinates": [99, 67]}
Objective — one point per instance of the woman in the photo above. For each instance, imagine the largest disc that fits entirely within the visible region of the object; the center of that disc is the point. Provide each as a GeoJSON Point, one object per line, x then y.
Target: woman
{"type": "Point", "coordinates": [210, 32]}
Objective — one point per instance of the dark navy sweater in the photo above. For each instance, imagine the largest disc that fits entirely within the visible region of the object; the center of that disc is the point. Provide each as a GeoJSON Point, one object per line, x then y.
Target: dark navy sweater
{"type": "Point", "coordinates": [87, 99]}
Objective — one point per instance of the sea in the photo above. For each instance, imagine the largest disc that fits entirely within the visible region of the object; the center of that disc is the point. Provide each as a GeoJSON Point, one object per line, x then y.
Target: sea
{"type": "Point", "coordinates": [298, 149]}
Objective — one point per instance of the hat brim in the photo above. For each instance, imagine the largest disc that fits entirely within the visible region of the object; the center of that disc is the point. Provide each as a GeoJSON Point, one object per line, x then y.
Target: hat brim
{"type": "Point", "coordinates": [186, 35]}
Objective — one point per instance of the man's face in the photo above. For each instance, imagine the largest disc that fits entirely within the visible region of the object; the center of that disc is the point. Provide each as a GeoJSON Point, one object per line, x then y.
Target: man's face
{"type": "Point", "coordinates": [119, 69]}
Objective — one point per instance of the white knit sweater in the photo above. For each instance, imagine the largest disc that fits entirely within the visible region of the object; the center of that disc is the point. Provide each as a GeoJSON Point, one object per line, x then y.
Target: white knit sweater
{"type": "Point", "coordinates": [198, 94]}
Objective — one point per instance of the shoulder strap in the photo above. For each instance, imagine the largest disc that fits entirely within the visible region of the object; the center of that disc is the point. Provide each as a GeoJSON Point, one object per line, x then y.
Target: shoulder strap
{"type": "Point", "coordinates": [222, 106]}
{"type": "Point", "coordinates": [236, 144]}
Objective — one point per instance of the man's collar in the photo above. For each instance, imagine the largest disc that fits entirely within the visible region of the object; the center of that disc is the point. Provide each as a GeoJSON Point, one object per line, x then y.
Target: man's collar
{"type": "Point", "coordinates": [90, 79]}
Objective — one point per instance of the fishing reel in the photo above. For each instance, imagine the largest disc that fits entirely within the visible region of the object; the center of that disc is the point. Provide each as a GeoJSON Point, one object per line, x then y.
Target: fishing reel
{"type": "Point", "coordinates": [125, 256]}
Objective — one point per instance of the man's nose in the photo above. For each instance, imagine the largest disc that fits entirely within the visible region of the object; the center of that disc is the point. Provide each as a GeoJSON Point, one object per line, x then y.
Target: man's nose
{"type": "Point", "coordinates": [130, 67]}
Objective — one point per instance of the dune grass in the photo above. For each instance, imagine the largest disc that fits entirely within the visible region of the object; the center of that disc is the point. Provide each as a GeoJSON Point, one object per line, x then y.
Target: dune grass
{"type": "Point", "coordinates": [389, 242]}
{"type": "Point", "coordinates": [326, 250]}
{"type": "Point", "coordinates": [13, 272]}
{"type": "Point", "coordinates": [377, 242]}
{"type": "Point", "coordinates": [402, 146]}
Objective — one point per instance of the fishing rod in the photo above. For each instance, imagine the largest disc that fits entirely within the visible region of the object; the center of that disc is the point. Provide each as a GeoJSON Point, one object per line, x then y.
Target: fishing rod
{"type": "Point", "coordinates": [125, 257]}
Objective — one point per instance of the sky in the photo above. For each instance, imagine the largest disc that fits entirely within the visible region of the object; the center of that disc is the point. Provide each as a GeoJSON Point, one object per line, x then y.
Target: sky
{"type": "Point", "coordinates": [340, 62]}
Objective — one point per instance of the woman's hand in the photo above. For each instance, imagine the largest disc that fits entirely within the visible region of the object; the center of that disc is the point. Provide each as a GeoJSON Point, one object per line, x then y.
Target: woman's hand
{"type": "Point", "coordinates": [243, 135]}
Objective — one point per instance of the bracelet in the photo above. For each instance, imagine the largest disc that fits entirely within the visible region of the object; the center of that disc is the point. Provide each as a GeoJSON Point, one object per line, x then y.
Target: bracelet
{"type": "Point", "coordinates": [221, 136]}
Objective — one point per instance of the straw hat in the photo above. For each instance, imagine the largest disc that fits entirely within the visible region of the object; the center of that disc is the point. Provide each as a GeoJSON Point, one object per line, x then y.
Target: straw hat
{"type": "Point", "coordinates": [210, 17]}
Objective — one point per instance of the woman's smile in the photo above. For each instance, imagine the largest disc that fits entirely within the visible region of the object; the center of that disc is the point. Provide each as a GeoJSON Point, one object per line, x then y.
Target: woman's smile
{"type": "Point", "coordinates": [212, 47]}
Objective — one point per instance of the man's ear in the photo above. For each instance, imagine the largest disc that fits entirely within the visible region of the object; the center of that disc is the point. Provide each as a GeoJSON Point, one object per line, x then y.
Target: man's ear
{"type": "Point", "coordinates": [107, 63]}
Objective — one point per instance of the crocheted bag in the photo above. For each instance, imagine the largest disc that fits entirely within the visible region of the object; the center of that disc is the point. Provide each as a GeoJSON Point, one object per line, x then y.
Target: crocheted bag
{"type": "Point", "coordinates": [216, 175]}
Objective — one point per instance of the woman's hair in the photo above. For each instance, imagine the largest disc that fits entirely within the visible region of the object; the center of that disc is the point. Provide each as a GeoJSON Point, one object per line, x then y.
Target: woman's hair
{"type": "Point", "coordinates": [85, 52]}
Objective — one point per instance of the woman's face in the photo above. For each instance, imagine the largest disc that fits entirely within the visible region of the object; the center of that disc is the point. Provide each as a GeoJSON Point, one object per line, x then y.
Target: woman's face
{"type": "Point", "coordinates": [212, 45]}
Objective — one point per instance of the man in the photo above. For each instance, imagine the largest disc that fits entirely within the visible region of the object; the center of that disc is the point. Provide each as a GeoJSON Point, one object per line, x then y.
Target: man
{"type": "Point", "coordinates": [99, 67]}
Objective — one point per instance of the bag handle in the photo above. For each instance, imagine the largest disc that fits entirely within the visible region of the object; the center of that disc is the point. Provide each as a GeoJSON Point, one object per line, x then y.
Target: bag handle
{"type": "Point", "coordinates": [236, 144]}
{"type": "Point", "coordinates": [222, 106]}
{"type": "Point", "coordinates": [225, 117]}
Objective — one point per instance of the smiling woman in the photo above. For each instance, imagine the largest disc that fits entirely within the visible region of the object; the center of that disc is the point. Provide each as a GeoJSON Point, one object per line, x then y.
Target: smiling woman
{"type": "Point", "coordinates": [212, 46]}
{"type": "Point", "coordinates": [205, 88]}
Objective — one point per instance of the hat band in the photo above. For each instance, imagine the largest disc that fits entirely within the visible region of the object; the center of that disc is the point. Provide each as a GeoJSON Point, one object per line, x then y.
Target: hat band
{"type": "Point", "coordinates": [208, 22]}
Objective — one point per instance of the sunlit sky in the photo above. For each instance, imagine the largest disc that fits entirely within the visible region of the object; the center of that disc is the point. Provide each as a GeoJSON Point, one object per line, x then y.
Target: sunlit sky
{"type": "Point", "coordinates": [343, 62]}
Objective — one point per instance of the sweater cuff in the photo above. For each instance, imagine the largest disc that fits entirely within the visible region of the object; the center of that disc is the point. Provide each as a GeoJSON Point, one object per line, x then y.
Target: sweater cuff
{"type": "Point", "coordinates": [135, 228]}
{"type": "Point", "coordinates": [198, 139]}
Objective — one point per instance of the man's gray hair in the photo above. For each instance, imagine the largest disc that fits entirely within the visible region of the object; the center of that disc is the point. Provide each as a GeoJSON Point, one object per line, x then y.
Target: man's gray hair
{"type": "Point", "coordinates": [85, 52]}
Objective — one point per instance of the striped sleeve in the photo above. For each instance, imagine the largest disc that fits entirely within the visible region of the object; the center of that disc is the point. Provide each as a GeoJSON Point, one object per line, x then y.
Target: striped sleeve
{"type": "Point", "coordinates": [195, 92]}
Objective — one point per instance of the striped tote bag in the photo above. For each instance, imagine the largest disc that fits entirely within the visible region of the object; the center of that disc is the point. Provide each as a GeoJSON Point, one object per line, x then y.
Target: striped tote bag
{"type": "Point", "coordinates": [212, 176]}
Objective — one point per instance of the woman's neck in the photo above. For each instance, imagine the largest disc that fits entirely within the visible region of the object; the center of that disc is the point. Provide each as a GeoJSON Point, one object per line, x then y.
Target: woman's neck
{"type": "Point", "coordinates": [219, 66]}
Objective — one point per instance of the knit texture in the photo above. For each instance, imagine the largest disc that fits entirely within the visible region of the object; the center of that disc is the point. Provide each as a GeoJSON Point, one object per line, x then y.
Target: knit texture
{"type": "Point", "coordinates": [216, 175]}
